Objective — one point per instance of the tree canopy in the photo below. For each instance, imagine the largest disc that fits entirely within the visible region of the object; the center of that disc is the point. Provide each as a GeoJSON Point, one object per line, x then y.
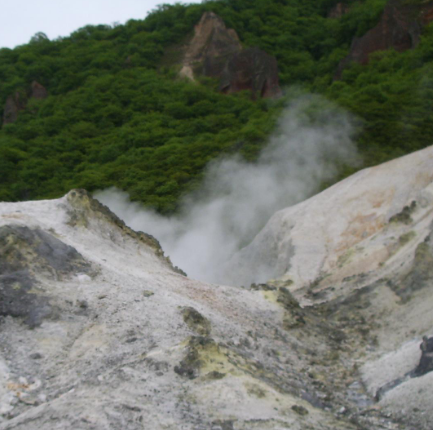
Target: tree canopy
{"type": "Point", "coordinates": [117, 114]}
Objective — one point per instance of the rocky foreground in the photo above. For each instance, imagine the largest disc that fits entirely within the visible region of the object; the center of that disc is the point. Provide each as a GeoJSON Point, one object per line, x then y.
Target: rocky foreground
{"type": "Point", "coordinates": [99, 331]}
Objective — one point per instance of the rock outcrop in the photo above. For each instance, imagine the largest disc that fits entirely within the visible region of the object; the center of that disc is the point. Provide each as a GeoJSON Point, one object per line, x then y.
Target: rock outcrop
{"type": "Point", "coordinates": [99, 331]}
{"type": "Point", "coordinates": [24, 251]}
{"type": "Point", "coordinates": [251, 69]}
{"type": "Point", "coordinates": [211, 47]}
{"type": "Point", "coordinates": [215, 51]}
{"type": "Point", "coordinates": [362, 251]}
{"type": "Point", "coordinates": [18, 101]}
{"type": "Point", "coordinates": [399, 28]}
{"type": "Point", "coordinates": [38, 91]}
{"type": "Point", "coordinates": [14, 104]}
{"type": "Point", "coordinates": [426, 363]}
{"type": "Point", "coordinates": [121, 340]}
{"type": "Point", "coordinates": [125, 340]}
{"type": "Point", "coordinates": [325, 233]}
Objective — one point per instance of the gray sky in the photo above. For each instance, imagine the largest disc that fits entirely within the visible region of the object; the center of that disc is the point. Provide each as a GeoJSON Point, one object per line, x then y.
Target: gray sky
{"type": "Point", "coordinates": [21, 19]}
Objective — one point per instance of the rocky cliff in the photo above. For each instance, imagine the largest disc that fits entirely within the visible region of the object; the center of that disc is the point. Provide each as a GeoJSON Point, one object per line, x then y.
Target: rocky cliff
{"type": "Point", "coordinates": [399, 28]}
{"type": "Point", "coordinates": [251, 69]}
{"type": "Point", "coordinates": [38, 91]}
{"type": "Point", "coordinates": [364, 243]}
{"type": "Point", "coordinates": [99, 331]}
{"type": "Point", "coordinates": [215, 51]}
{"type": "Point", "coordinates": [210, 48]}
{"type": "Point", "coordinates": [17, 101]}
{"type": "Point", "coordinates": [14, 104]}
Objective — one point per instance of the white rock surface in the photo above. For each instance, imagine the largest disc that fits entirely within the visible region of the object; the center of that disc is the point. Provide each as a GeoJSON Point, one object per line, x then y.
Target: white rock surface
{"type": "Point", "coordinates": [103, 337]}
{"type": "Point", "coordinates": [345, 240]}
{"type": "Point", "coordinates": [347, 222]}
{"type": "Point", "coordinates": [106, 358]}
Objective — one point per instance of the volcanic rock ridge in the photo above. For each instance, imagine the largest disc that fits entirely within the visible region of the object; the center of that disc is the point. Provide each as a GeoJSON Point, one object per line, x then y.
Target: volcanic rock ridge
{"type": "Point", "coordinates": [216, 51]}
{"type": "Point", "coordinates": [99, 331]}
{"type": "Point", "coordinates": [399, 28]}
{"type": "Point", "coordinates": [17, 101]}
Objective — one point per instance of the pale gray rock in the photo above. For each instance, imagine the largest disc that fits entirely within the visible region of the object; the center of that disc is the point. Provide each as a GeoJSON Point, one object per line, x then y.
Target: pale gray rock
{"type": "Point", "coordinates": [190, 356]}
{"type": "Point", "coordinates": [154, 349]}
{"type": "Point", "coordinates": [362, 252]}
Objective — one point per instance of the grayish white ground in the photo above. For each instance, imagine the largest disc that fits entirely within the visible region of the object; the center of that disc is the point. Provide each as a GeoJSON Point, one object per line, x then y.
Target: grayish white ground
{"type": "Point", "coordinates": [105, 338]}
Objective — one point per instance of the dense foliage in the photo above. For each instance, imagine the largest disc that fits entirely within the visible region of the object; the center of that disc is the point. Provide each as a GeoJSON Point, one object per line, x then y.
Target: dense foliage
{"type": "Point", "coordinates": [117, 114]}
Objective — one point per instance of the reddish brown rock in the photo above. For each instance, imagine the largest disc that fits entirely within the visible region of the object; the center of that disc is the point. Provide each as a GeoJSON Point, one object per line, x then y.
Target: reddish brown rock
{"type": "Point", "coordinates": [399, 28]}
{"type": "Point", "coordinates": [14, 103]}
{"type": "Point", "coordinates": [215, 51]}
{"type": "Point", "coordinates": [338, 11]}
{"type": "Point", "coordinates": [213, 43]}
{"type": "Point", "coordinates": [17, 101]}
{"type": "Point", "coordinates": [254, 70]}
{"type": "Point", "coordinates": [38, 91]}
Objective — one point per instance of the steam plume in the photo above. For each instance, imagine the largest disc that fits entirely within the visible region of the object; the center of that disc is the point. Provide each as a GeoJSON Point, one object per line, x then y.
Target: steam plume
{"type": "Point", "coordinates": [312, 139]}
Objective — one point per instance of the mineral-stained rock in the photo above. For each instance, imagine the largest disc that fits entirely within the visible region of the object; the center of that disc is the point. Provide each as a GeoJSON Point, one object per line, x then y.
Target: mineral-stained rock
{"type": "Point", "coordinates": [213, 43]}
{"type": "Point", "coordinates": [86, 211]}
{"type": "Point", "coordinates": [252, 69]}
{"type": "Point", "coordinates": [399, 28]}
{"type": "Point", "coordinates": [109, 358]}
{"type": "Point", "coordinates": [38, 91]}
{"type": "Point", "coordinates": [215, 51]}
{"type": "Point", "coordinates": [14, 104]}
{"type": "Point", "coordinates": [196, 321]}
{"type": "Point", "coordinates": [17, 101]}
{"type": "Point", "coordinates": [426, 363]}
{"type": "Point", "coordinates": [405, 215]}
{"type": "Point", "coordinates": [294, 315]}
{"type": "Point", "coordinates": [113, 359]}
{"type": "Point", "coordinates": [421, 273]}
{"type": "Point", "coordinates": [22, 248]}
{"type": "Point", "coordinates": [19, 298]}
{"type": "Point", "coordinates": [22, 252]}
{"type": "Point", "coordinates": [363, 251]}
{"type": "Point", "coordinates": [300, 410]}
{"type": "Point", "coordinates": [287, 300]}
{"type": "Point", "coordinates": [191, 364]}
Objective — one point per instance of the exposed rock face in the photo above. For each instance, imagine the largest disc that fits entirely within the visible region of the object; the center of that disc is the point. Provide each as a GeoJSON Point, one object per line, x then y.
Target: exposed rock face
{"type": "Point", "coordinates": [196, 321]}
{"type": "Point", "coordinates": [210, 48]}
{"type": "Point", "coordinates": [14, 104]}
{"type": "Point", "coordinates": [338, 10]}
{"type": "Point", "coordinates": [325, 232]}
{"type": "Point", "coordinates": [361, 249]}
{"type": "Point", "coordinates": [129, 342]}
{"type": "Point", "coordinates": [23, 252]}
{"type": "Point", "coordinates": [399, 28]}
{"type": "Point", "coordinates": [426, 363]}
{"type": "Point", "coordinates": [125, 341]}
{"type": "Point", "coordinates": [216, 51]}
{"type": "Point", "coordinates": [38, 91]}
{"type": "Point", "coordinates": [252, 69]}
{"type": "Point", "coordinates": [18, 101]}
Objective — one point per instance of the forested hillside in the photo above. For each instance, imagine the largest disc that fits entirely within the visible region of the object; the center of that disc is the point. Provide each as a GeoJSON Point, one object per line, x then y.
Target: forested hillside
{"type": "Point", "coordinates": [117, 113]}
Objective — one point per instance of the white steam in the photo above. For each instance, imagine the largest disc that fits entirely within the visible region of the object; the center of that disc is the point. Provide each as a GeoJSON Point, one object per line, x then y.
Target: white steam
{"type": "Point", "coordinates": [238, 198]}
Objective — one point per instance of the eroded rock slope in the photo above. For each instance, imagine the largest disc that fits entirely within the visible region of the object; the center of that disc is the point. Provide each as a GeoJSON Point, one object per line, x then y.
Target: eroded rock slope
{"type": "Point", "coordinates": [399, 28]}
{"type": "Point", "coordinates": [99, 331]}
{"type": "Point", "coordinates": [361, 252]}
{"type": "Point", "coordinates": [215, 51]}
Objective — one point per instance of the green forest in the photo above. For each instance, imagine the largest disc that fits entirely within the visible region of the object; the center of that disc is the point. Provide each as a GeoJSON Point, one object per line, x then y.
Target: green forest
{"type": "Point", "coordinates": [118, 115]}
